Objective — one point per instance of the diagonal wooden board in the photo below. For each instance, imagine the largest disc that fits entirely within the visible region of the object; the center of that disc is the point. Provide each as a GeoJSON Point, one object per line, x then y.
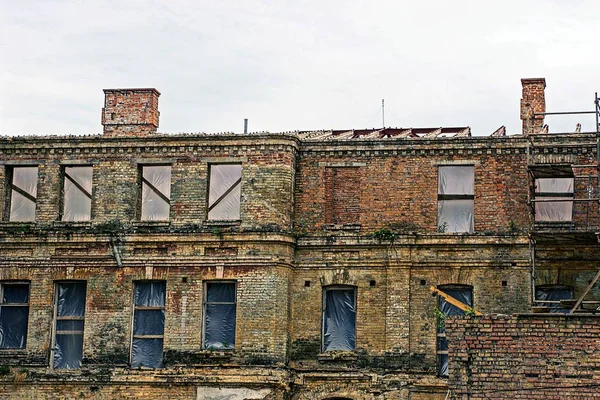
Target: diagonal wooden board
{"type": "Point", "coordinates": [455, 302]}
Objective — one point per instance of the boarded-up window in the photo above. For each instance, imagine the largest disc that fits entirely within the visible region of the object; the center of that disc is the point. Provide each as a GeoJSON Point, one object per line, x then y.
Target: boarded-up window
{"type": "Point", "coordinates": [219, 315]}
{"type": "Point", "coordinates": [148, 324]}
{"type": "Point", "coordinates": [224, 192]}
{"type": "Point", "coordinates": [14, 313]}
{"type": "Point", "coordinates": [156, 192]}
{"type": "Point", "coordinates": [551, 295]}
{"type": "Point", "coordinates": [77, 193]}
{"type": "Point", "coordinates": [462, 293]}
{"type": "Point", "coordinates": [69, 320]}
{"type": "Point", "coordinates": [456, 198]}
{"type": "Point", "coordinates": [339, 318]}
{"type": "Point", "coordinates": [561, 191]}
{"type": "Point", "coordinates": [23, 193]}
{"type": "Point", "coordinates": [342, 186]}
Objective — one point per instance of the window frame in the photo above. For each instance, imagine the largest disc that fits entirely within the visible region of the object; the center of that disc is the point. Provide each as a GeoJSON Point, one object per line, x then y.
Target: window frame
{"type": "Point", "coordinates": [56, 318]}
{"type": "Point", "coordinates": [237, 183]}
{"type": "Point", "coordinates": [205, 303]}
{"type": "Point", "coordinates": [142, 181]}
{"type": "Point", "coordinates": [337, 287]}
{"type": "Point", "coordinates": [559, 197]}
{"type": "Point", "coordinates": [63, 180]}
{"type": "Point", "coordinates": [442, 335]}
{"type": "Point", "coordinates": [9, 187]}
{"type": "Point", "coordinates": [450, 197]}
{"type": "Point", "coordinates": [3, 284]}
{"type": "Point", "coordinates": [135, 308]}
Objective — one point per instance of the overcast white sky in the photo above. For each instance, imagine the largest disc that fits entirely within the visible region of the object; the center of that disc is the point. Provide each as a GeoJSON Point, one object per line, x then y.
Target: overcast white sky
{"type": "Point", "coordinates": [290, 65]}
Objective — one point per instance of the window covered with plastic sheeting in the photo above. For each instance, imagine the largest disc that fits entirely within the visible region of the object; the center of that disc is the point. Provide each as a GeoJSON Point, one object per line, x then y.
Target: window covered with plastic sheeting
{"type": "Point", "coordinates": [77, 193]}
{"type": "Point", "coordinates": [339, 318]}
{"type": "Point", "coordinates": [456, 196]}
{"type": "Point", "coordinates": [156, 192]}
{"type": "Point", "coordinates": [551, 295]}
{"type": "Point", "coordinates": [23, 193]}
{"type": "Point", "coordinates": [219, 315]}
{"type": "Point", "coordinates": [462, 293]}
{"type": "Point", "coordinates": [148, 324]}
{"type": "Point", "coordinates": [224, 192]}
{"type": "Point", "coordinates": [14, 314]}
{"type": "Point", "coordinates": [69, 321]}
{"type": "Point", "coordinates": [558, 189]}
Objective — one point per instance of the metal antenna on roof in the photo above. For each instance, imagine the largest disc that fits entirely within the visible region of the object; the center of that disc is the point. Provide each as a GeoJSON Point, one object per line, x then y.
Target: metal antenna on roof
{"type": "Point", "coordinates": [383, 112]}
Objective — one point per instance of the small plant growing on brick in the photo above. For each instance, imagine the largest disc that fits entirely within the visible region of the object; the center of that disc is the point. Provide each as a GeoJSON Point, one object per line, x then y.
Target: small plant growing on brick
{"type": "Point", "coordinates": [4, 370]}
{"type": "Point", "coordinates": [441, 318]}
{"type": "Point", "coordinates": [512, 227]}
{"type": "Point", "coordinates": [443, 227]}
{"type": "Point", "coordinates": [384, 234]}
{"type": "Point", "coordinates": [470, 312]}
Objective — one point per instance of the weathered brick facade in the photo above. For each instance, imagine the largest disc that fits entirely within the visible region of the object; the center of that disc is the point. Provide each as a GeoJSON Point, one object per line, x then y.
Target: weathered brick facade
{"type": "Point", "coordinates": [315, 211]}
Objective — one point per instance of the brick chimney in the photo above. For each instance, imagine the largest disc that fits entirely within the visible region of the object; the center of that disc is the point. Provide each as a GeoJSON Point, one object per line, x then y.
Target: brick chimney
{"type": "Point", "coordinates": [533, 101]}
{"type": "Point", "coordinates": [130, 112]}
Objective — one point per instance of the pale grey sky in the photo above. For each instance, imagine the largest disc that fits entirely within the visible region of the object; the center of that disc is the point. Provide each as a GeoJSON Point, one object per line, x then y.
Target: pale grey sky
{"type": "Point", "coordinates": [290, 65]}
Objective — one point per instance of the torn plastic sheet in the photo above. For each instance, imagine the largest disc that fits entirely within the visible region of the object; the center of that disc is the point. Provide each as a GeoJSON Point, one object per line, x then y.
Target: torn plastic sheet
{"type": "Point", "coordinates": [554, 293]}
{"type": "Point", "coordinates": [224, 181]}
{"type": "Point", "coordinates": [149, 294]}
{"type": "Point", "coordinates": [149, 322]}
{"type": "Point", "coordinates": [464, 294]}
{"type": "Point", "coordinates": [456, 179]}
{"type": "Point", "coordinates": [71, 299]}
{"type": "Point", "coordinates": [147, 353]}
{"type": "Point", "coordinates": [77, 200]}
{"type": "Point", "coordinates": [13, 326]}
{"type": "Point", "coordinates": [18, 293]}
{"type": "Point", "coordinates": [339, 325]}
{"type": "Point", "coordinates": [220, 292]}
{"type": "Point", "coordinates": [561, 211]}
{"type": "Point", "coordinates": [22, 208]}
{"type": "Point", "coordinates": [68, 351]}
{"type": "Point", "coordinates": [456, 216]}
{"type": "Point", "coordinates": [68, 347]}
{"type": "Point", "coordinates": [219, 326]}
{"type": "Point", "coordinates": [155, 207]}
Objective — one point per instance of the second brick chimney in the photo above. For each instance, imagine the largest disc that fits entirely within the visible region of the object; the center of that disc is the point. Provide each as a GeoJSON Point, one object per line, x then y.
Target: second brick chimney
{"type": "Point", "coordinates": [130, 112]}
{"type": "Point", "coordinates": [533, 101]}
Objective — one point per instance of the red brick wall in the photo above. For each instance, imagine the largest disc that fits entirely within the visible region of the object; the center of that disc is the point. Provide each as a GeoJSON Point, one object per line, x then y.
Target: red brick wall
{"type": "Point", "coordinates": [524, 357]}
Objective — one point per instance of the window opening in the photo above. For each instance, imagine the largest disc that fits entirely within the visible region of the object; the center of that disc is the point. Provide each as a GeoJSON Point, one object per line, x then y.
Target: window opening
{"type": "Point", "coordinates": [219, 315]}
{"type": "Point", "coordinates": [23, 194]}
{"type": "Point", "coordinates": [462, 293]}
{"type": "Point", "coordinates": [77, 193]}
{"type": "Point", "coordinates": [339, 318]}
{"type": "Point", "coordinates": [156, 192]}
{"type": "Point", "coordinates": [224, 192]}
{"type": "Point", "coordinates": [148, 324]}
{"type": "Point", "coordinates": [14, 314]}
{"type": "Point", "coordinates": [69, 321]}
{"type": "Point", "coordinates": [456, 198]}
{"type": "Point", "coordinates": [551, 295]}
{"type": "Point", "coordinates": [559, 189]}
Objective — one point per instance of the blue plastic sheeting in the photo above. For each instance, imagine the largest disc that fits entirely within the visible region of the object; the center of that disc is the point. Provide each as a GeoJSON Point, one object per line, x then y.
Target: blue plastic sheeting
{"type": "Point", "coordinates": [148, 351]}
{"type": "Point", "coordinates": [68, 344]}
{"type": "Point", "coordinates": [464, 294]}
{"type": "Point", "coordinates": [219, 315]}
{"type": "Point", "coordinates": [339, 320]}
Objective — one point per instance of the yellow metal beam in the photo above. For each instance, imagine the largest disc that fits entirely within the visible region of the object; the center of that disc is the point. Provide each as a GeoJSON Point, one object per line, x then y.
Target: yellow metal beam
{"type": "Point", "coordinates": [454, 302]}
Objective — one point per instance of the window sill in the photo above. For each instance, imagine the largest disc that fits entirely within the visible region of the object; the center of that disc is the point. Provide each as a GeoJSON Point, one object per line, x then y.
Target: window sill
{"type": "Point", "coordinates": [217, 354]}
{"type": "Point", "coordinates": [337, 355]}
{"type": "Point", "coordinates": [232, 222]}
{"type": "Point", "coordinates": [74, 224]}
{"type": "Point", "coordinates": [143, 224]}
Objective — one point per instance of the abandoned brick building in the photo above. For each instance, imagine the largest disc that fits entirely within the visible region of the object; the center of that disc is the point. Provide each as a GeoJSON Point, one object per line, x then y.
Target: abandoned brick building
{"type": "Point", "coordinates": [296, 265]}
